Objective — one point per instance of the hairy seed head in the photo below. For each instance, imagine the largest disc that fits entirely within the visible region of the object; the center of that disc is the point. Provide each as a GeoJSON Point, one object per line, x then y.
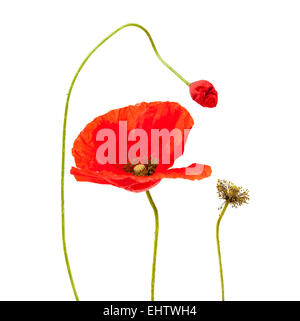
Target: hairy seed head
{"type": "Point", "coordinates": [234, 195]}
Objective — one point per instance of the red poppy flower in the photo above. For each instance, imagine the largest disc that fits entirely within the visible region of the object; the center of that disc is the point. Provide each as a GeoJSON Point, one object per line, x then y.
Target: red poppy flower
{"type": "Point", "coordinates": [139, 176]}
{"type": "Point", "coordinates": [204, 93]}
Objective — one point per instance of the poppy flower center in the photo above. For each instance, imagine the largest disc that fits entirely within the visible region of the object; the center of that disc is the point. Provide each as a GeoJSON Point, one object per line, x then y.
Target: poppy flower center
{"type": "Point", "coordinates": [140, 169]}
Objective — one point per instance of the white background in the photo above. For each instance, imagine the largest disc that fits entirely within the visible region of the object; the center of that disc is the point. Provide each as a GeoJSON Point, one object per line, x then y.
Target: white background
{"type": "Point", "coordinates": [250, 51]}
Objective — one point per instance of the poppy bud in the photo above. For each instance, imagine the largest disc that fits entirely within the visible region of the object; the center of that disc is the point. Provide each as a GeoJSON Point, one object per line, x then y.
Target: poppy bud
{"type": "Point", "coordinates": [204, 93]}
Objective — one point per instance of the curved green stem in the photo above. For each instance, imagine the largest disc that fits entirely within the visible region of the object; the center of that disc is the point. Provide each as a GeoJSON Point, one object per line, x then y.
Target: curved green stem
{"type": "Point", "coordinates": [218, 245]}
{"type": "Point", "coordinates": [66, 258]}
{"type": "Point", "coordinates": [65, 126]}
{"type": "Point", "coordinates": [155, 243]}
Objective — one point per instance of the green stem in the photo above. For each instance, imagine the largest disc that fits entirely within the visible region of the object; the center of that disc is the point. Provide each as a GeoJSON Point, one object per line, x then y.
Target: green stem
{"type": "Point", "coordinates": [66, 257]}
{"type": "Point", "coordinates": [65, 126]}
{"type": "Point", "coordinates": [218, 245]}
{"type": "Point", "coordinates": [155, 243]}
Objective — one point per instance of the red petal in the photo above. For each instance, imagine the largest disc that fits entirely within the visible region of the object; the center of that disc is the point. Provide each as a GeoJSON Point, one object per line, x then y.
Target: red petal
{"type": "Point", "coordinates": [165, 115]}
{"type": "Point", "coordinates": [127, 181]}
{"type": "Point", "coordinates": [137, 184]}
{"type": "Point", "coordinates": [192, 172]}
{"type": "Point", "coordinates": [146, 116]}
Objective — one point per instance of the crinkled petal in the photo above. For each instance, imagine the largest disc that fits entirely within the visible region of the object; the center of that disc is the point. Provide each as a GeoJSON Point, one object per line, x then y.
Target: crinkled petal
{"type": "Point", "coordinates": [147, 116]}
{"type": "Point", "coordinates": [137, 184]}
{"type": "Point", "coordinates": [127, 181]}
{"type": "Point", "coordinates": [192, 172]}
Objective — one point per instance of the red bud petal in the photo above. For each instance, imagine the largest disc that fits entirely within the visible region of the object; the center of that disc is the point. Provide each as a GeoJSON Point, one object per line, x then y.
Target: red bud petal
{"type": "Point", "coordinates": [204, 93]}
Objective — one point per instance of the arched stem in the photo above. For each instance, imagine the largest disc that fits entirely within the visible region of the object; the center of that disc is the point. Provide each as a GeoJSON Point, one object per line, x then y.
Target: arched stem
{"type": "Point", "coordinates": [155, 243]}
{"type": "Point", "coordinates": [65, 126]}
